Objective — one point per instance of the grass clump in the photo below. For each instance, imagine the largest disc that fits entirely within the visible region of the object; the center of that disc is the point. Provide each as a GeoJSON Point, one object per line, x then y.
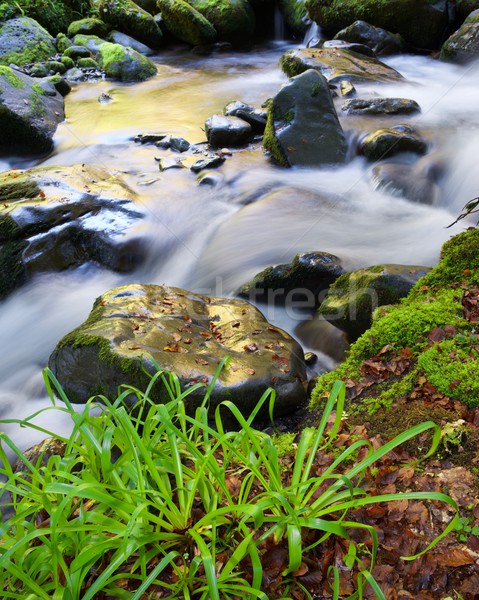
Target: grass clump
{"type": "Point", "coordinates": [157, 503]}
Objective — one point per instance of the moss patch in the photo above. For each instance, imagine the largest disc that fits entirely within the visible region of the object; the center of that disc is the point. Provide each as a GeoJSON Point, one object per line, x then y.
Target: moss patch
{"type": "Point", "coordinates": [7, 74]}
{"type": "Point", "coordinates": [429, 327]}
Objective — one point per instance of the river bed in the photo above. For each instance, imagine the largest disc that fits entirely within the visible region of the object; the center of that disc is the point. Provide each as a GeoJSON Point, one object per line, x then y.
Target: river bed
{"type": "Point", "coordinates": [213, 239]}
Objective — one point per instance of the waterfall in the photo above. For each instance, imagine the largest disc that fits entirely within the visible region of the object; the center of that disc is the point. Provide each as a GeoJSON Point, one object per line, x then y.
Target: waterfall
{"type": "Point", "coordinates": [278, 24]}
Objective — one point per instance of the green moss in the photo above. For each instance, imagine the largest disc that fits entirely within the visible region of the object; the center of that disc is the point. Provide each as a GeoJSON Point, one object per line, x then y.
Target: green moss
{"type": "Point", "coordinates": [68, 62]}
{"type": "Point", "coordinates": [284, 443]}
{"type": "Point", "coordinates": [186, 23]}
{"type": "Point", "coordinates": [270, 142]}
{"type": "Point", "coordinates": [13, 79]}
{"type": "Point", "coordinates": [453, 369]}
{"type": "Point", "coordinates": [124, 63]}
{"type": "Point", "coordinates": [233, 20]}
{"type": "Point", "coordinates": [15, 185]}
{"type": "Point", "coordinates": [30, 54]}
{"type": "Point", "coordinates": [434, 302]}
{"type": "Point", "coordinates": [87, 63]}
{"type": "Point", "coordinates": [111, 53]}
{"type": "Point", "coordinates": [37, 88]}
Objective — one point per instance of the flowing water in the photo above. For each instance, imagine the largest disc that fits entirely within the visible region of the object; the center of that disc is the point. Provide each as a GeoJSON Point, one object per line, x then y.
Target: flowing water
{"type": "Point", "coordinates": [213, 239]}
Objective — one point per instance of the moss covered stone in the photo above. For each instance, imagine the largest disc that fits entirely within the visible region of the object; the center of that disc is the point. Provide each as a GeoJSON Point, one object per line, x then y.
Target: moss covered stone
{"type": "Point", "coordinates": [125, 64]}
{"type": "Point", "coordinates": [186, 23]}
{"type": "Point", "coordinates": [233, 20]}
{"type": "Point", "coordinates": [23, 41]}
{"type": "Point", "coordinates": [420, 22]}
{"type": "Point", "coordinates": [431, 324]}
{"type": "Point", "coordinates": [128, 17]}
{"type": "Point", "coordinates": [88, 26]}
{"type": "Point", "coordinates": [7, 74]}
{"type": "Point", "coordinates": [463, 45]}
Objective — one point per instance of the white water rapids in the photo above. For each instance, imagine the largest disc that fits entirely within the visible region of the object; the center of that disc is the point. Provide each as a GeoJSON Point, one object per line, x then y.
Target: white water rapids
{"type": "Point", "coordinates": [213, 239]}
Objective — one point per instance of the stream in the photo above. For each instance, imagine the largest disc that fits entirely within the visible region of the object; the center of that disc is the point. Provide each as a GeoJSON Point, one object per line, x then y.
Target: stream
{"type": "Point", "coordinates": [212, 239]}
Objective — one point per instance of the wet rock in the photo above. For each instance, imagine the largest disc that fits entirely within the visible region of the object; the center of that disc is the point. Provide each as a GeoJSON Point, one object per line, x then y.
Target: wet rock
{"type": "Point", "coordinates": [227, 131]}
{"type": "Point", "coordinates": [256, 118]}
{"type": "Point", "coordinates": [88, 26]}
{"type": "Point", "coordinates": [350, 46]}
{"type": "Point", "coordinates": [413, 182]}
{"type": "Point", "coordinates": [170, 163]}
{"type": "Point", "coordinates": [149, 138]}
{"type": "Point", "coordinates": [303, 280]}
{"type": "Point", "coordinates": [303, 128]}
{"type": "Point", "coordinates": [186, 23]}
{"type": "Point", "coordinates": [61, 85]}
{"type": "Point", "coordinates": [76, 51]}
{"type": "Point", "coordinates": [125, 64]}
{"type": "Point", "coordinates": [354, 296]}
{"type": "Point", "coordinates": [463, 45]}
{"type": "Point", "coordinates": [211, 178]}
{"type": "Point", "coordinates": [117, 37]}
{"type": "Point", "coordinates": [105, 98]}
{"type": "Point", "coordinates": [23, 41]}
{"type": "Point", "coordinates": [378, 106]}
{"type": "Point", "coordinates": [208, 162]}
{"type": "Point", "coordinates": [233, 20]}
{"type": "Point", "coordinates": [336, 64]}
{"type": "Point", "coordinates": [179, 144]}
{"type": "Point", "coordinates": [128, 17]}
{"type": "Point", "coordinates": [55, 66]}
{"type": "Point", "coordinates": [346, 89]}
{"type": "Point", "coordinates": [91, 42]}
{"type": "Point", "coordinates": [29, 115]}
{"type": "Point", "coordinates": [420, 22]}
{"type": "Point", "coordinates": [387, 142]}
{"type": "Point", "coordinates": [38, 70]}
{"type": "Point", "coordinates": [56, 218]}
{"type": "Point", "coordinates": [132, 327]}
{"type": "Point", "coordinates": [380, 41]}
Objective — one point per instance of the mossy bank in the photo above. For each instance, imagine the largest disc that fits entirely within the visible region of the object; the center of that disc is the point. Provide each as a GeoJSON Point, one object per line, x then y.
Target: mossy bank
{"type": "Point", "coordinates": [430, 336]}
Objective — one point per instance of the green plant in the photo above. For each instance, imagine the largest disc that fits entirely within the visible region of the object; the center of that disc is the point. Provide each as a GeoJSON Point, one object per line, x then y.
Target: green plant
{"type": "Point", "coordinates": [464, 528]}
{"type": "Point", "coordinates": [161, 501]}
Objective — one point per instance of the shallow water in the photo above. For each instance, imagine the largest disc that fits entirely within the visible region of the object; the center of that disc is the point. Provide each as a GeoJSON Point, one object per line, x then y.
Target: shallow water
{"type": "Point", "coordinates": [213, 239]}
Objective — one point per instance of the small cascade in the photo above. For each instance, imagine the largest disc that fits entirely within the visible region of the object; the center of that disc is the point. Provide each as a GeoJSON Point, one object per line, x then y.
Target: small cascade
{"type": "Point", "coordinates": [278, 24]}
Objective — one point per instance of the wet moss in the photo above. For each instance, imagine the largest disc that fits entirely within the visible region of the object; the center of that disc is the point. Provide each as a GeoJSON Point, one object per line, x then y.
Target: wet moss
{"type": "Point", "coordinates": [186, 23]}
{"type": "Point", "coordinates": [270, 142]}
{"type": "Point", "coordinates": [15, 185]}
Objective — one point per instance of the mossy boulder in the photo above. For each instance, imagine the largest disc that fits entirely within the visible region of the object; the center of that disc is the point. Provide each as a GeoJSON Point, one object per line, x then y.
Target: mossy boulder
{"type": "Point", "coordinates": [420, 22]}
{"type": "Point", "coordinates": [128, 17]}
{"type": "Point", "coordinates": [124, 64]}
{"type": "Point", "coordinates": [352, 298]}
{"type": "Point", "coordinates": [54, 15]}
{"type": "Point", "coordinates": [133, 328]}
{"type": "Point", "coordinates": [380, 41]}
{"type": "Point", "coordinates": [90, 43]}
{"type": "Point", "coordinates": [303, 281]}
{"type": "Point", "coordinates": [429, 338]}
{"type": "Point", "coordinates": [233, 20]}
{"type": "Point", "coordinates": [303, 128]}
{"type": "Point", "coordinates": [389, 141]}
{"type": "Point", "coordinates": [88, 26]}
{"type": "Point", "coordinates": [49, 223]}
{"type": "Point", "coordinates": [463, 45]}
{"type": "Point", "coordinates": [23, 41]}
{"type": "Point", "coordinates": [186, 23]}
{"type": "Point", "coordinates": [29, 115]}
{"type": "Point", "coordinates": [337, 64]}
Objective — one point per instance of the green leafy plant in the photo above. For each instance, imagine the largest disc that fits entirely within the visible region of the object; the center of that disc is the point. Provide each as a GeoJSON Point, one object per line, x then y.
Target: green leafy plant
{"type": "Point", "coordinates": [159, 502]}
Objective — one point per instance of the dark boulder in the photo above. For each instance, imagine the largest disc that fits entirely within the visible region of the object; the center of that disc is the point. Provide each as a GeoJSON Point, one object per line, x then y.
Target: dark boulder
{"type": "Point", "coordinates": [303, 128]}
{"type": "Point", "coordinates": [380, 41]}
{"type": "Point", "coordinates": [380, 106]}
{"type": "Point", "coordinates": [227, 131]}
{"type": "Point", "coordinates": [463, 45]}
{"type": "Point", "coordinates": [389, 141]}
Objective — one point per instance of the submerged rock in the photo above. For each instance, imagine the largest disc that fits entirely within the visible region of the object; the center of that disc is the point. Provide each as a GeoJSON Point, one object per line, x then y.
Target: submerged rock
{"type": "Point", "coordinates": [52, 219]}
{"type": "Point", "coordinates": [303, 128]}
{"type": "Point", "coordinates": [389, 141]}
{"type": "Point", "coordinates": [133, 328]}
{"type": "Point", "coordinates": [336, 64]}
{"type": "Point", "coordinates": [352, 298]}
{"type": "Point", "coordinates": [414, 182]}
{"type": "Point", "coordinates": [379, 106]}
{"type": "Point", "coordinates": [29, 114]}
{"type": "Point", "coordinates": [302, 280]}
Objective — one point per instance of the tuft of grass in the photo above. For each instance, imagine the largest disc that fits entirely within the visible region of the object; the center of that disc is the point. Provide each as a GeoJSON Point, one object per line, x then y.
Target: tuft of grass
{"type": "Point", "coordinates": [155, 502]}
